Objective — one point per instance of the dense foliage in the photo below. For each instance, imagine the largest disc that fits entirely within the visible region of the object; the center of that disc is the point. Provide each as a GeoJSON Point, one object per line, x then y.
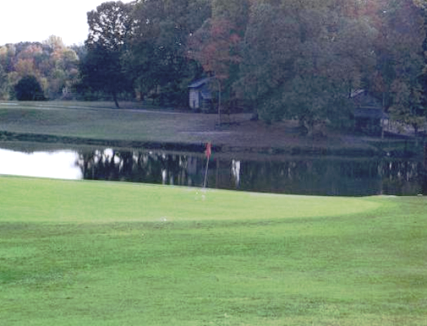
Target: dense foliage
{"type": "Point", "coordinates": [102, 68]}
{"type": "Point", "coordinates": [290, 59]}
{"type": "Point", "coordinates": [54, 65]}
{"type": "Point", "coordinates": [29, 89]}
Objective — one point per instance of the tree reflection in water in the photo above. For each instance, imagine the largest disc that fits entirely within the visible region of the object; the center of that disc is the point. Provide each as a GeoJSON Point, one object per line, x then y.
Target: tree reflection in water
{"type": "Point", "coordinates": [148, 167]}
{"type": "Point", "coordinates": [343, 177]}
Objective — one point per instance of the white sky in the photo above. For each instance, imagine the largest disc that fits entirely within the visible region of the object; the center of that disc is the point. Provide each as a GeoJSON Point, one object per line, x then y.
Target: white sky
{"type": "Point", "coordinates": [36, 20]}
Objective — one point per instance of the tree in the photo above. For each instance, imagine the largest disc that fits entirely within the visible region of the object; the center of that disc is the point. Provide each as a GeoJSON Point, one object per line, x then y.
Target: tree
{"type": "Point", "coordinates": [407, 105]}
{"type": "Point", "coordinates": [216, 45]}
{"type": "Point", "coordinates": [300, 61]}
{"type": "Point", "coordinates": [110, 25]}
{"type": "Point", "coordinates": [54, 42]}
{"type": "Point", "coordinates": [157, 54]}
{"type": "Point", "coordinates": [53, 64]}
{"type": "Point", "coordinates": [102, 71]}
{"type": "Point", "coordinates": [109, 28]}
{"type": "Point", "coordinates": [7, 54]}
{"type": "Point", "coordinates": [25, 67]}
{"type": "Point", "coordinates": [399, 59]}
{"type": "Point", "coordinates": [236, 11]}
{"type": "Point", "coordinates": [29, 89]}
{"type": "Point", "coordinates": [4, 83]}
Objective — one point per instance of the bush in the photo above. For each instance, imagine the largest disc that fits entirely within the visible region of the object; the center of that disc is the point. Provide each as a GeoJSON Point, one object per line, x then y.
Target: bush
{"type": "Point", "coordinates": [29, 89]}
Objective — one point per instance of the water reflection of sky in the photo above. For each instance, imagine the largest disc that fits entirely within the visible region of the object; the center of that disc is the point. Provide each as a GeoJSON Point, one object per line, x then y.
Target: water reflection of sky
{"type": "Point", "coordinates": [288, 175]}
{"type": "Point", "coordinates": [56, 165]}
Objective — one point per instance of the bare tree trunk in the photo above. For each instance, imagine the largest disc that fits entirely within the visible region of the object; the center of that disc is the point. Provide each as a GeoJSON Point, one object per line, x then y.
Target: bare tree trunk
{"type": "Point", "coordinates": [415, 134]}
{"type": "Point", "coordinates": [425, 156]}
{"type": "Point", "coordinates": [382, 117]}
{"type": "Point", "coordinates": [115, 100]}
{"type": "Point", "coordinates": [219, 102]}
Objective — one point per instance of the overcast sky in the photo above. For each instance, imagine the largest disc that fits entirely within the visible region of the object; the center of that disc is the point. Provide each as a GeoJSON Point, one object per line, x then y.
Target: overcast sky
{"type": "Point", "coordinates": [36, 20]}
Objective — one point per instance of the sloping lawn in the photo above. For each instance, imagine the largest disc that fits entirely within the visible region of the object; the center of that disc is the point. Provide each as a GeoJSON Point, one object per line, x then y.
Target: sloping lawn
{"type": "Point", "coordinates": [98, 121]}
{"type": "Point", "coordinates": [99, 253]}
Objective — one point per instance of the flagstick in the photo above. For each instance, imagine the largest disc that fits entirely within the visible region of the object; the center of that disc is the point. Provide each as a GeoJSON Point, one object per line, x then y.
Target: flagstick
{"type": "Point", "coordinates": [206, 172]}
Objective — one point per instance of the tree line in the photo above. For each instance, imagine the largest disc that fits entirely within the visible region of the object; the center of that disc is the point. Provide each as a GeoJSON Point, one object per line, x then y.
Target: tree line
{"type": "Point", "coordinates": [50, 64]}
{"type": "Point", "coordinates": [293, 59]}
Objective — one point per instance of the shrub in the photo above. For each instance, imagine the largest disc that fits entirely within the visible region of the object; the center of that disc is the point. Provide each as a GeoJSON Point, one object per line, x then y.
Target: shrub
{"type": "Point", "coordinates": [29, 89]}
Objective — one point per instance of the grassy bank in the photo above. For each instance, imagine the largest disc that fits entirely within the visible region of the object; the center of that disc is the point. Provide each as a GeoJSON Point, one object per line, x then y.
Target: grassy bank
{"type": "Point", "coordinates": [86, 120]}
{"type": "Point", "coordinates": [97, 123]}
{"type": "Point", "coordinates": [97, 253]}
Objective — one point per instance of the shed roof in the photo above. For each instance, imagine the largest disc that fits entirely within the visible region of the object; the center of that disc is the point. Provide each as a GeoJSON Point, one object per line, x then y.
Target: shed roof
{"type": "Point", "coordinates": [200, 82]}
{"type": "Point", "coordinates": [364, 100]}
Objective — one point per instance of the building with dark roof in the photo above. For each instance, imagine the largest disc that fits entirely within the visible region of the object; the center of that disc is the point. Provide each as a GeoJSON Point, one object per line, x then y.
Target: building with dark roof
{"type": "Point", "coordinates": [200, 95]}
{"type": "Point", "coordinates": [368, 112]}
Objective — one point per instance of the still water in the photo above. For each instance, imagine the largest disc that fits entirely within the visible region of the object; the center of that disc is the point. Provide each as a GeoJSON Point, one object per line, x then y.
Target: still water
{"type": "Point", "coordinates": [309, 176]}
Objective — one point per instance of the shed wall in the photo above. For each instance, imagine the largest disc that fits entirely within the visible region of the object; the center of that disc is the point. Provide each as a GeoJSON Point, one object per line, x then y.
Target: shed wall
{"type": "Point", "coordinates": [194, 99]}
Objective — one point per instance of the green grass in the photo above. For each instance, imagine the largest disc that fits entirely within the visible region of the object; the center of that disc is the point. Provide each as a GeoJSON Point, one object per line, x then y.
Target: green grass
{"type": "Point", "coordinates": [98, 253]}
{"type": "Point", "coordinates": [101, 121]}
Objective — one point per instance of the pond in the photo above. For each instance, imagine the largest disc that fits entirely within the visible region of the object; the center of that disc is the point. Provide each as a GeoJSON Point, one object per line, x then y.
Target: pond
{"type": "Point", "coordinates": [263, 173]}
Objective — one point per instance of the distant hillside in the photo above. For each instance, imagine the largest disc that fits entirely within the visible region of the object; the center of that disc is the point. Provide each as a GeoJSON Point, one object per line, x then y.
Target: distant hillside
{"type": "Point", "coordinates": [53, 64]}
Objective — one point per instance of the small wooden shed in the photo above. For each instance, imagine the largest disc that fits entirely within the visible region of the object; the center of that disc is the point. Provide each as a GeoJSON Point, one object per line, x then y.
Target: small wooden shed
{"type": "Point", "coordinates": [200, 95]}
{"type": "Point", "coordinates": [368, 112]}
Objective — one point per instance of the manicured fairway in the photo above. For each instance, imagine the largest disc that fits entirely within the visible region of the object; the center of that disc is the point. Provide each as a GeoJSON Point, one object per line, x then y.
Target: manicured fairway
{"type": "Point", "coordinates": [98, 253]}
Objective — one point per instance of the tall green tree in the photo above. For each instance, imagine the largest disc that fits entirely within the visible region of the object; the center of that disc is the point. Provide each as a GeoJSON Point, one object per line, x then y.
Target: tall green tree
{"type": "Point", "coordinates": [301, 60]}
{"type": "Point", "coordinates": [110, 27]}
{"type": "Point", "coordinates": [399, 60]}
{"type": "Point", "coordinates": [157, 57]}
{"type": "Point", "coordinates": [102, 71]}
{"type": "Point", "coordinates": [29, 89]}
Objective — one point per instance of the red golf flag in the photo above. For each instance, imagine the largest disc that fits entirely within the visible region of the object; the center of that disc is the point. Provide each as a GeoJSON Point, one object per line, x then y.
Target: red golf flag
{"type": "Point", "coordinates": [208, 151]}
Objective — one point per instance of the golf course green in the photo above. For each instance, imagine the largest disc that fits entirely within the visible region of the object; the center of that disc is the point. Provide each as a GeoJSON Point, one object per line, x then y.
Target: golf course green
{"type": "Point", "coordinates": [99, 253]}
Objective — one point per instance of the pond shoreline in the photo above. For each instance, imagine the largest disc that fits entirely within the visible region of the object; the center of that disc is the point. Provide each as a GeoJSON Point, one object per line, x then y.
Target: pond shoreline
{"type": "Point", "coordinates": [81, 124]}
{"type": "Point", "coordinates": [293, 150]}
